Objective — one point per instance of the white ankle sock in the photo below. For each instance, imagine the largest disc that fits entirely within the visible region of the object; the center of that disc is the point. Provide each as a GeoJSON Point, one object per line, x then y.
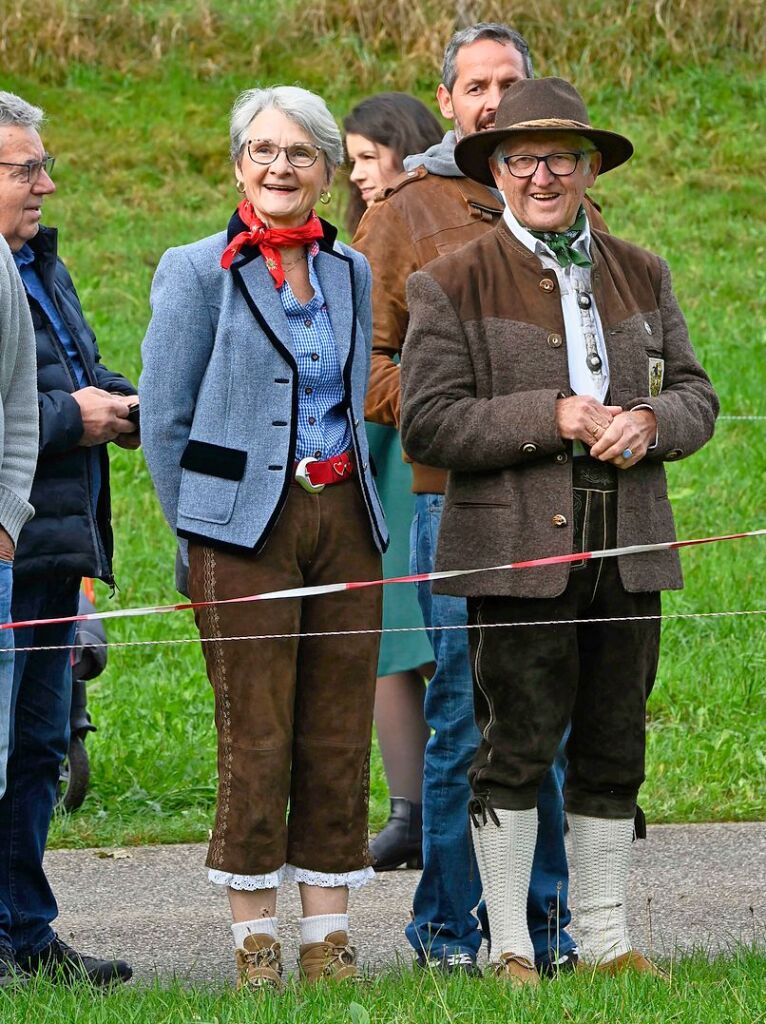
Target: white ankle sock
{"type": "Point", "coordinates": [260, 926]}
{"type": "Point", "coordinates": [505, 864]}
{"type": "Point", "coordinates": [316, 929]}
{"type": "Point", "coordinates": [602, 848]}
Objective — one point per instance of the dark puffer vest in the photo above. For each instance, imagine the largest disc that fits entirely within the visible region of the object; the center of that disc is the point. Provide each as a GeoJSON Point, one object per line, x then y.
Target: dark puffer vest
{"type": "Point", "coordinates": [67, 536]}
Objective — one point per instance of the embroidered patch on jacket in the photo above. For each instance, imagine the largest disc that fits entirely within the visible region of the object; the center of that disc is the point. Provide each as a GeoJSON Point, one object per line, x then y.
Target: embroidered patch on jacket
{"type": "Point", "coordinates": [656, 376]}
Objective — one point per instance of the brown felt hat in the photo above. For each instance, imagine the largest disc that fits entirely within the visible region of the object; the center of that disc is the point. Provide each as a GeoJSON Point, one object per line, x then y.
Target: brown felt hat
{"type": "Point", "coordinates": [541, 105]}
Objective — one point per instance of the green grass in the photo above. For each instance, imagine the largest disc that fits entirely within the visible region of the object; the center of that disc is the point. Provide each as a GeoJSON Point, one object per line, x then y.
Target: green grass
{"type": "Point", "coordinates": [728, 989]}
{"type": "Point", "coordinates": [142, 165]}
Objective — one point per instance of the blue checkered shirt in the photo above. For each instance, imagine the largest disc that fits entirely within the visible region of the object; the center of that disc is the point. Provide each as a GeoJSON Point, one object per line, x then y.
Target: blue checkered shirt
{"type": "Point", "coordinates": [323, 429]}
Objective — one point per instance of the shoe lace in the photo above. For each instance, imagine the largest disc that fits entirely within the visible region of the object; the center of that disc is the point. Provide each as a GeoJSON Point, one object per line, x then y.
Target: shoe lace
{"type": "Point", "coordinates": [502, 965]}
{"type": "Point", "coordinates": [340, 956]}
{"type": "Point", "coordinates": [267, 956]}
{"type": "Point", "coordinates": [459, 960]}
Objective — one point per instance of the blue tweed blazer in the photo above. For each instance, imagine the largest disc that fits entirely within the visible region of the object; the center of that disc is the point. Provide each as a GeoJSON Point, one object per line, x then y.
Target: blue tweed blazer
{"type": "Point", "coordinates": [219, 388]}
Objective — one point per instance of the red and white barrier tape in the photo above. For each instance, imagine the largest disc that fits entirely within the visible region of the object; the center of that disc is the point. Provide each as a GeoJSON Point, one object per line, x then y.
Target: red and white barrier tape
{"type": "Point", "coordinates": [334, 588]}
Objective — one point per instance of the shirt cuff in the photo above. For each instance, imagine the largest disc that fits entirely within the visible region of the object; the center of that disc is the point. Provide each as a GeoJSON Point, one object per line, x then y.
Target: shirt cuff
{"type": "Point", "coordinates": [657, 432]}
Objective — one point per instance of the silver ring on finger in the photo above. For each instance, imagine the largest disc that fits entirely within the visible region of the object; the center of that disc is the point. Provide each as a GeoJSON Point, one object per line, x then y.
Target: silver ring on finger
{"type": "Point", "coordinates": [627, 454]}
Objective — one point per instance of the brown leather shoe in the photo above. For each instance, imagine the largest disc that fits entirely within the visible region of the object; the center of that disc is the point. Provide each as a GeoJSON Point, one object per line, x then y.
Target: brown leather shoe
{"type": "Point", "coordinates": [259, 964]}
{"type": "Point", "coordinates": [515, 969]}
{"type": "Point", "coordinates": [631, 961]}
{"type": "Point", "coordinates": [331, 960]}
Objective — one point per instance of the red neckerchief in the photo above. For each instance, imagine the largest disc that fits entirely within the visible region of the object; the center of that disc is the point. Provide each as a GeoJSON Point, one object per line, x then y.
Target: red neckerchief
{"type": "Point", "coordinates": [270, 240]}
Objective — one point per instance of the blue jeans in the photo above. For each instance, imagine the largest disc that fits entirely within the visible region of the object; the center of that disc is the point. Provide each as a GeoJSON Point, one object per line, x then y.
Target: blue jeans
{"type": "Point", "coordinates": [450, 888]}
{"type": "Point", "coordinates": [6, 665]}
{"type": "Point", "coordinates": [40, 703]}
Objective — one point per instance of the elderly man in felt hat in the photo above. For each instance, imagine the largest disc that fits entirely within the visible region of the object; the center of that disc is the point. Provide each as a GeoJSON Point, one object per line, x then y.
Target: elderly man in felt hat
{"type": "Point", "coordinates": [548, 367]}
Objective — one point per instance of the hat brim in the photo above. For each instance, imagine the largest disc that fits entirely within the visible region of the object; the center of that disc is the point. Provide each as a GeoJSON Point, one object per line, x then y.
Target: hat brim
{"type": "Point", "coordinates": [472, 153]}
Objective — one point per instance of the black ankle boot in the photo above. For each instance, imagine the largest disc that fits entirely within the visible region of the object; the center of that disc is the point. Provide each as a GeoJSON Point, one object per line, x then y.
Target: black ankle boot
{"type": "Point", "coordinates": [400, 840]}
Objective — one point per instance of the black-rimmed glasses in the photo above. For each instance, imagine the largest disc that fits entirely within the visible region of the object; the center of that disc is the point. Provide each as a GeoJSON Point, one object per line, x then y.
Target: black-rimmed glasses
{"type": "Point", "coordinates": [30, 170]}
{"type": "Point", "coordinates": [561, 164]}
{"type": "Point", "coordinates": [299, 154]}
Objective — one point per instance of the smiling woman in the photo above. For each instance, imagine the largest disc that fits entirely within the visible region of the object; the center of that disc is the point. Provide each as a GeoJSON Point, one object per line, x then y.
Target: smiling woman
{"type": "Point", "coordinates": [255, 445]}
{"type": "Point", "coordinates": [282, 173]}
{"type": "Point", "coordinates": [380, 132]}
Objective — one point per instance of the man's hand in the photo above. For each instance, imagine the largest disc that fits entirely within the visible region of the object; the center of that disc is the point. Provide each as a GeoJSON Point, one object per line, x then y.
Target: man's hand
{"type": "Point", "coordinates": [130, 441]}
{"type": "Point", "coordinates": [105, 417]}
{"type": "Point", "coordinates": [7, 548]}
{"type": "Point", "coordinates": [633, 431]}
{"type": "Point", "coordinates": [583, 418]}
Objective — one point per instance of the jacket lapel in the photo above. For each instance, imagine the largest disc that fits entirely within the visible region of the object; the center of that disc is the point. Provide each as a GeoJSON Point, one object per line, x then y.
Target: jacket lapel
{"type": "Point", "coordinates": [335, 279]}
{"type": "Point", "coordinates": [259, 285]}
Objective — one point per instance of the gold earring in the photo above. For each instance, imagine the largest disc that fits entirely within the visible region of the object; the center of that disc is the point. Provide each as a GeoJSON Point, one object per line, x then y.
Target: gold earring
{"type": "Point", "coordinates": [240, 186]}
{"type": "Point", "coordinates": [325, 197]}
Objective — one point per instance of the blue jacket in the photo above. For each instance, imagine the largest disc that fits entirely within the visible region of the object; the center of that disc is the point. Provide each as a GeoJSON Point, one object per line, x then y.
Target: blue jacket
{"type": "Point", "coordinates": [219, 387]}
{"type": "Point", "coordinates": [67, 536]}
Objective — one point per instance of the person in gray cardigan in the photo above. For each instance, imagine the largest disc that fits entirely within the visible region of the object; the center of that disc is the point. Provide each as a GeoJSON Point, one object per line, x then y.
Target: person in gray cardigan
{"type": "Point", "coordinates": [548, 367]}
{"type": "Point", "coordinates": [256, 363]}
{"type": "Point", "coordinates": [18, 457]}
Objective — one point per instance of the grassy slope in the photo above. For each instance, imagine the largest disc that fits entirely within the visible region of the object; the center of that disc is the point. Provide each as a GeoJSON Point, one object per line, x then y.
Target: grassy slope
{"type": "Point", "coordinates": [143, 166]}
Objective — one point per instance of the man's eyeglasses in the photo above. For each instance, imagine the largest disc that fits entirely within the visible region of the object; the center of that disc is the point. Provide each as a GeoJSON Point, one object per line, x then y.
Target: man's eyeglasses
{"type": "Point", "coordinates": [299, 154]}
{"type": "Point", "coordinates": [560, 164]}
{"type": "Point", "coordinates": [31, 170]}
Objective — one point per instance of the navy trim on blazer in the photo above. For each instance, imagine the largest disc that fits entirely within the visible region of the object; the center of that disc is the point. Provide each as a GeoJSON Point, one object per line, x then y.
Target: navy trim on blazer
{"type": "Point", "coordinates": [214, 459]}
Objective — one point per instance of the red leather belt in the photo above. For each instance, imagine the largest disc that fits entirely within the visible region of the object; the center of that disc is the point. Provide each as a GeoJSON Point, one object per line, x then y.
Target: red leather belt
{"type": "Point", "coordinates": [314, 476]}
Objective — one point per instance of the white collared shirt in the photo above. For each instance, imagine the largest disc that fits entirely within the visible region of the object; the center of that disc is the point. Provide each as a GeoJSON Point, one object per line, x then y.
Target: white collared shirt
{"type": "Point", "coordinates": [582, 326]}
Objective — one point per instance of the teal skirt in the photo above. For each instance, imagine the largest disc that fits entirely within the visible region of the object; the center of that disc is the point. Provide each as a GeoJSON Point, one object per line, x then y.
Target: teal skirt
{"type": "Point", "coordinates": [399, 652]}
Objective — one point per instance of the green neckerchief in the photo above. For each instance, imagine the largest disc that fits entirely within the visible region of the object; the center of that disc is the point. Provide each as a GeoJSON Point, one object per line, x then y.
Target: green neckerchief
{"type": "Point", "coordinates": [562, 242]}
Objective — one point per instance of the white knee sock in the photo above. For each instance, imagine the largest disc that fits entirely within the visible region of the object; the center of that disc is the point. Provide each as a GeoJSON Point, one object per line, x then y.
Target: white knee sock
{"type": "Point", "coordinates": [316, 929]}
{"type": "Point", "coordinates": [505, 857]}
{"type": "Point", "coordinates": [602, 848]}
{"type": "Point", "coordinates": [260, 926]}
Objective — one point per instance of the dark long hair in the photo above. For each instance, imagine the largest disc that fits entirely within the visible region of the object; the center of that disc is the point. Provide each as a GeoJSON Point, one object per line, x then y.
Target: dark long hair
{"type": "Point", "coordinates": [392, 119]}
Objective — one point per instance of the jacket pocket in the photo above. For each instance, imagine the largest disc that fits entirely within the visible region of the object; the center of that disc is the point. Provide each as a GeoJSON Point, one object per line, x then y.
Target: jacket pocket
{"type": "Point", "coordinates": [210, 481]}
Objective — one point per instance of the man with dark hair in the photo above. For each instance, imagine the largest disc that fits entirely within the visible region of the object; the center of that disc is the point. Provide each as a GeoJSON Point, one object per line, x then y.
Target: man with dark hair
{"type": "Point", "coordinates": [81, 406]}
{"type": "Point", "coordinates": [433, 209]}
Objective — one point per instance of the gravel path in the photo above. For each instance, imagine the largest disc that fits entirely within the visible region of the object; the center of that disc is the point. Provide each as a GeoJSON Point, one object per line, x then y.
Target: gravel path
{"type": "Point", "coordinates": [693, 886]}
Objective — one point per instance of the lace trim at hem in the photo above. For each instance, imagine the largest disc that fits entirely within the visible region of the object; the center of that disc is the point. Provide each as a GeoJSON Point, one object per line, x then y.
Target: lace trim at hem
{"type": "Point", "coordinates": [352, 879]}
{"type": "Point", "coordinates": [248, 883]}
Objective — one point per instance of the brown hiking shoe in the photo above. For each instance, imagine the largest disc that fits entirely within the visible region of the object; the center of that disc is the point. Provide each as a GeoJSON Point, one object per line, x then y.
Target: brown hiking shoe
{"type": "Point", "coordinates": [515, 969]}
{"type": "Point", "coordinates": [632, 961]}
{"type": "Point", "coordinates": [331, 960]}
{"type": "Point", "coordinates": [259, 964]}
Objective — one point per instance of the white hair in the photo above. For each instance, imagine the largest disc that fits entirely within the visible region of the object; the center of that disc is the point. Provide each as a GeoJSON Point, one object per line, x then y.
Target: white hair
{"type": "Point", "coordinates": [16, 111]}
{"type": "Point", "coordinates": [305, 108]}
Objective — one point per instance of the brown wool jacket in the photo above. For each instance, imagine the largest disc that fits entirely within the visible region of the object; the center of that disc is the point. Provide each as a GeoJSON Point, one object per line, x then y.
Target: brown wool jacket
{"type": "Point", "coordinates": [420, 217]}
{"type": "Point", "coordinates": [482, 367]}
